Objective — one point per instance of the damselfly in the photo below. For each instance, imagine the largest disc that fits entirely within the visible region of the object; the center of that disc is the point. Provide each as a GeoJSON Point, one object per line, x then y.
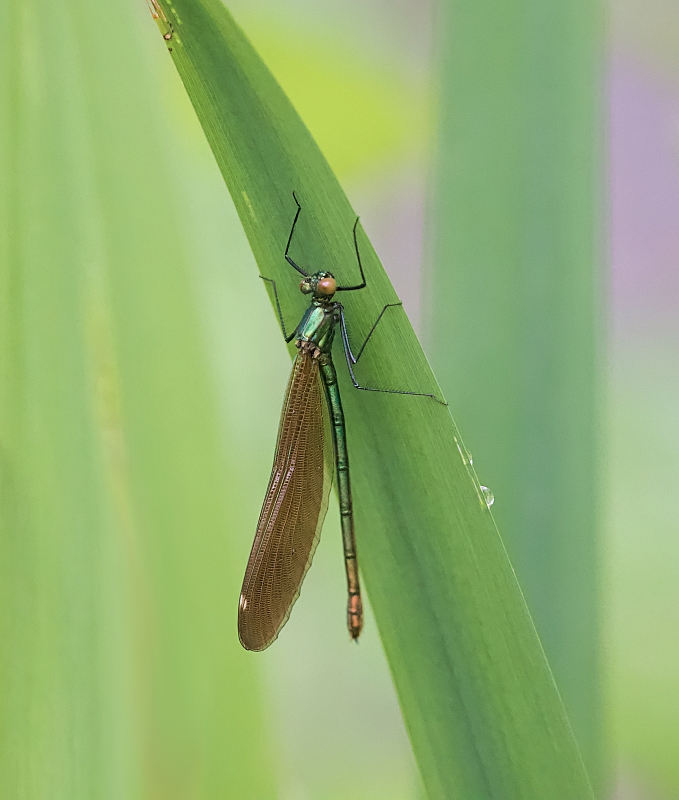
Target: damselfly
{"type": "Point", "coordinates": [296, 500]}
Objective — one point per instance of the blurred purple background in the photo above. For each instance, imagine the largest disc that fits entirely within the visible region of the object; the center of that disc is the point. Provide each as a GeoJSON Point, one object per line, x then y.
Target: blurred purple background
{"type": "Point", "coordinates": [644, 192]}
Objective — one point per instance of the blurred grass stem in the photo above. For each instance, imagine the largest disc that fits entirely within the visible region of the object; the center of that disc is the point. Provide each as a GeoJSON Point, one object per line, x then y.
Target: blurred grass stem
{"type": "Point", "coordinates": [116, 677]}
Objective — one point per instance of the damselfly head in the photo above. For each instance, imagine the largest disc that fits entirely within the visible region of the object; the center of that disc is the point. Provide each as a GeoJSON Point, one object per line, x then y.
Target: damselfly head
{"type": "Point", "coordinates": [322, 285]}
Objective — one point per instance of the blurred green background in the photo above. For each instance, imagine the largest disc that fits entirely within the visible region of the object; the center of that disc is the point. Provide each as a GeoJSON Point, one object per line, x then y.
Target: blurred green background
{"type": "Point", "coordinates": [362, 76]}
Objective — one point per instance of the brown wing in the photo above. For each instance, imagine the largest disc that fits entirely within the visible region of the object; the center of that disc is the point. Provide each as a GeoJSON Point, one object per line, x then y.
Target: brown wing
{"type": "Point", "coordinates": [292, 515]}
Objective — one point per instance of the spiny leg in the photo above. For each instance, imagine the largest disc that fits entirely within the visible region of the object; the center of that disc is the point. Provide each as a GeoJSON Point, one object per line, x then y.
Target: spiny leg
{"type": "Point", "coordinates": [345, 336]}
{"type": "Point", "coordinates": [299, 269]}
{"type": "Point", "coordinates": [363, 284]}
{"type": "Point", "coordinates": [292, 231]}
{"type": "Point", "coordinates": [353, 359]}
{"type": "Point", "coordinates": [288, 337]}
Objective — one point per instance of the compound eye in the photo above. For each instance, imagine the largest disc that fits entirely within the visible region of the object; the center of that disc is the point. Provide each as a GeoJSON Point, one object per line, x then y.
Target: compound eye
{"type": "Point", "coordinates": [305, 287]}
{"type": "Point", "coordinates": [327, 286]}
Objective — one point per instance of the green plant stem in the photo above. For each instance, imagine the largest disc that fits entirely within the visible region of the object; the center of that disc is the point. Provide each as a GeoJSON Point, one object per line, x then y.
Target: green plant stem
{"type": "Point", "coordinates": [479, 701]}
{"type": "Point", "coordinates": [515, 305]}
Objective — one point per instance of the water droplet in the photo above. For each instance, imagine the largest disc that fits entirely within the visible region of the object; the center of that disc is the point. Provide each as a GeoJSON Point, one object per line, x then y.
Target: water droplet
{"type": "Point", "coordinates": [487, 496]}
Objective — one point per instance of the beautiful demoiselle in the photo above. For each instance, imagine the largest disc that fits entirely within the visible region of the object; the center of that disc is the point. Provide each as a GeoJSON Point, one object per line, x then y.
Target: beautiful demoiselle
{"type": "Point", "coordinates": [310, 444]}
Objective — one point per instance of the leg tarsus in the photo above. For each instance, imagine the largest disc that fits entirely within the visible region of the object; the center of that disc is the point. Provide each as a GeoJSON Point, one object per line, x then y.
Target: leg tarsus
{"type": "Point", "coordinates": [394, 391]}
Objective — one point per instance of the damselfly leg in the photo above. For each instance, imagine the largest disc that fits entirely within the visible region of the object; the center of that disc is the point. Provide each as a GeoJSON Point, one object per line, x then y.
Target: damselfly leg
{"type": "Point", "coordinates": [351, 359]}
{"type": "Point", "coordinates": [299, 269]}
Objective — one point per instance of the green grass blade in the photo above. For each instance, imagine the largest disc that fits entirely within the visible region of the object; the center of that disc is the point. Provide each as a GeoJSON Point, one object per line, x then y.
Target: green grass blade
{"type": "Point", "coordinates": [515, 303]}
{"type": "Point", "coordinates": [117, 574]}
{"type": "Point", "coordinates": [478, 698]}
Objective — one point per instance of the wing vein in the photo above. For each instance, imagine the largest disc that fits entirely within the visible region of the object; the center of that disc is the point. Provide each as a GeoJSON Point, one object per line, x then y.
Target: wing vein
{"type": "Point", "coordinates": [292, 513]}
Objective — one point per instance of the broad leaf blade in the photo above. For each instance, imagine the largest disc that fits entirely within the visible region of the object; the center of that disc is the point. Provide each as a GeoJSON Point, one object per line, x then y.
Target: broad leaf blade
{"type": "Point", "coordinates": [479, 701]}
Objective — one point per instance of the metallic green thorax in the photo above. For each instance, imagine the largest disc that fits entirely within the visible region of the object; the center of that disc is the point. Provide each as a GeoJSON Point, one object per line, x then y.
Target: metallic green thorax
{"type": "Point", "coordinates": [315, 333]}
{"type": "Point", "coordinates": [318, 325]}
